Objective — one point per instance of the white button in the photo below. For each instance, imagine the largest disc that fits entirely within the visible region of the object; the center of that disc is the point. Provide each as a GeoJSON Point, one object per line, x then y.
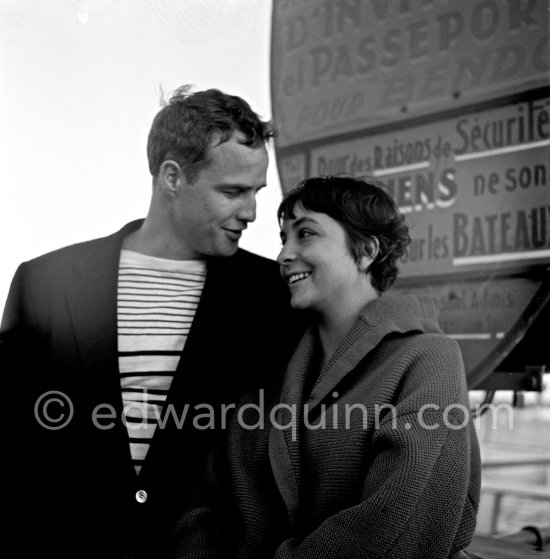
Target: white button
{"type": "Point", "coordinates": [141, 496]}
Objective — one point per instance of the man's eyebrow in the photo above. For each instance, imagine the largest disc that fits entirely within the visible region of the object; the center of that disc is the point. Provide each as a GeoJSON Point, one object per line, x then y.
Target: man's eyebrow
{"type": "Point", "coordinates": [240, 186]}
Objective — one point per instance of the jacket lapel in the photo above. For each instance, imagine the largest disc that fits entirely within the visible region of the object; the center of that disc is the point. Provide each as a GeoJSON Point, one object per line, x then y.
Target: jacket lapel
{"type": "Point", "coordinates": [284, 442]}
{"type": "Point", "coordinates": [200, 376]}
{"type": "Point", "coordinates": [92, 302]}
{"type": "Point", "coordinates": [196, 380]}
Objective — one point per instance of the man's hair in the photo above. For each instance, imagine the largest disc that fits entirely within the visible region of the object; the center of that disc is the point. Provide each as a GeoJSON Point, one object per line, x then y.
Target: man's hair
{"type": "Point", "coordinates": [365, 211]}
{"type": "Point", "coordinates": [186, 126]}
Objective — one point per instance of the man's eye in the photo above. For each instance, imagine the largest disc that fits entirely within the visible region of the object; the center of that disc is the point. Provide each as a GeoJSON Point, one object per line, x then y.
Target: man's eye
{"type": "Point", "coordinates": [305, 233]}
{"type": "Point", "coordinates": [232, 193]}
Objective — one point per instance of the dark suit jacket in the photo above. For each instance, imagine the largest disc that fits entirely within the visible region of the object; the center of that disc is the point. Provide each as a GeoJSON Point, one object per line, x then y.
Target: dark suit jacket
{"type": "Point", "coordinates": [71, 492]}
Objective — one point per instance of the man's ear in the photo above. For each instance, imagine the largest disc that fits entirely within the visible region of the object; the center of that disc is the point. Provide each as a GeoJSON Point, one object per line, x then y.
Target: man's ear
{"type": "Point", "coordinates": [370, 251]}
{"type": "Point", "coordinates": [170, 176]}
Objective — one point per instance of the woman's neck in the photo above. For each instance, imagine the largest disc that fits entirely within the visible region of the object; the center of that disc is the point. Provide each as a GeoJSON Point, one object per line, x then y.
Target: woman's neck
{"type": "Point", "coordinates": [330, 337]}
{"type": "Point", "coordinates": [335, 320]}
{"type": "Point", "coordinates": [332, 332]}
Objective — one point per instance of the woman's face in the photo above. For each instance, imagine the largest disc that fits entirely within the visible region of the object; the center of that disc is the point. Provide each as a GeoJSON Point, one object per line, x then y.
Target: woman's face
{"type": "Point", "coordinates": [317, 264]}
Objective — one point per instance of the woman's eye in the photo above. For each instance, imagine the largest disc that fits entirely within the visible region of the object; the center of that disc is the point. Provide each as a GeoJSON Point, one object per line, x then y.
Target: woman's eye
{"type": "Point", "coordinates": [305, 233]}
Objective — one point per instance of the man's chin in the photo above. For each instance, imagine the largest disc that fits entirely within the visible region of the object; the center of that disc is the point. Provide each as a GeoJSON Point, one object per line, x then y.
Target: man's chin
{"type": "Point", "coordinates": [227, 250]}
{"type": "Point", "coordinates": [233, 250]}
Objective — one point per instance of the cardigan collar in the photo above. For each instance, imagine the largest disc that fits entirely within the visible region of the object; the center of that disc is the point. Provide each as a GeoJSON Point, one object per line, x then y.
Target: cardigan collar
{"type": "Point", "coordinates": [386, 315]}
{"type": "Point", "coordinates": [389, 314]}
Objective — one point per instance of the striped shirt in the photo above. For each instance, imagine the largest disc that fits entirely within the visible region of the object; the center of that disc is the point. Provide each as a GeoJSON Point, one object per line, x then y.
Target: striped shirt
{"type": "Point", "coordinates": [157, 300]}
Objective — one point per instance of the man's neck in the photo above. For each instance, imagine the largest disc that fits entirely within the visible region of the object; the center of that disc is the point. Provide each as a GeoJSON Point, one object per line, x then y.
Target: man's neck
{"type": "Point", "coordinates": [155, 242]}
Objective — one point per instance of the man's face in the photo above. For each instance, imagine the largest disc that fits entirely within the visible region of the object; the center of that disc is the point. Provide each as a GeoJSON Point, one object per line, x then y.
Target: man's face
{"type": "Point", "coordinates": [211, 213]}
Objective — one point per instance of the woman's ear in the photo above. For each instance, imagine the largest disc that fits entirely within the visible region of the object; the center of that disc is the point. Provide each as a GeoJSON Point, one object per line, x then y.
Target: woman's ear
{"type": "Point", "coordinates": [370, 251]}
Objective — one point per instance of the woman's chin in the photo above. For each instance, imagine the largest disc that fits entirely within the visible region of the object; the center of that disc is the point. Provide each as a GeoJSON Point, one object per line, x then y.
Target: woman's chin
{"type": "Point", "coordinates": [298, 304]}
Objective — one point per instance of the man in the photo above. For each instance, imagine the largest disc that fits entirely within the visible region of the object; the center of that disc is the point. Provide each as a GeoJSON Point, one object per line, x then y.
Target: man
{"type": "Point", "coordinates": [120, 357]}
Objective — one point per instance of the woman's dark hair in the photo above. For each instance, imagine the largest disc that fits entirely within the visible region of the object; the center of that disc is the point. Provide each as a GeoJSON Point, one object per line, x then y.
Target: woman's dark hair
{"type": "Point", "coordinates": [367, 213]}
{"type": "Point", "coordinates": [185, 127]}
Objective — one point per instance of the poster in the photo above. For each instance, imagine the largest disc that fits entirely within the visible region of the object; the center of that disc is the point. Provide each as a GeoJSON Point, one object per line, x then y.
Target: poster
{"type": "Point", "coordinates": [343, 65]}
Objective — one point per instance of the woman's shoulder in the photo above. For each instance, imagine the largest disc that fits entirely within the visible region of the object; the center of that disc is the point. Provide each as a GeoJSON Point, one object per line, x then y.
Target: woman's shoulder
{"type": "Point", "coordinates": [420, 358]}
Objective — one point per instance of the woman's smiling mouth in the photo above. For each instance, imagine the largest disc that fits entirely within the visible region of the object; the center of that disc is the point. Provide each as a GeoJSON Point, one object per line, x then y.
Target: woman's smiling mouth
{"type": "Point", "coordinates": [297, 277]}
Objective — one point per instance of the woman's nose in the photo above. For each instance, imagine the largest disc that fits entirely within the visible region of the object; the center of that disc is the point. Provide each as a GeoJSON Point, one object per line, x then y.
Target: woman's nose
{"type": "Point", "coordinates": [286, 255]}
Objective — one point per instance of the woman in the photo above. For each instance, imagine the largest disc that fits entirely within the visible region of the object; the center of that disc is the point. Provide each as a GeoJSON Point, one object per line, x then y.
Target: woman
{"type": "Point", "coordinates": [367, 451]}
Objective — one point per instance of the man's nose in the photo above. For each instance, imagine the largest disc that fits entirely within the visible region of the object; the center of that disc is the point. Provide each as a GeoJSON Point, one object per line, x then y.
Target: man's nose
{"type": "Point", "coordinates": [247, 212]}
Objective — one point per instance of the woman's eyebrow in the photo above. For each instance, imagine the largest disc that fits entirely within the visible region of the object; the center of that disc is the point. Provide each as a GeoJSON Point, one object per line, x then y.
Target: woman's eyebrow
{"type": "Point", "coordinates": [303, 220]}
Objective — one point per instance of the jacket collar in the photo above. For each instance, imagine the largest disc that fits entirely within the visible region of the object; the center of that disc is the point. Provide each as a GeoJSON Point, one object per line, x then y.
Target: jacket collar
{"type": "Point", "coordinates": [92, 303]}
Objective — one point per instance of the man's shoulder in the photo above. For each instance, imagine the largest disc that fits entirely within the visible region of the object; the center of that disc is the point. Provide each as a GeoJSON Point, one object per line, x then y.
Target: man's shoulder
{"type": "Point", "coordinates": [76, 251]}
{"type": "Point", "coordinates": [256, 270]}
{"type": "Point", "coordinates": [252, 275]}
{"type": "Point", "coordinates": [68, 252]}
{"type": "Point", "coordinates": [244, 257]}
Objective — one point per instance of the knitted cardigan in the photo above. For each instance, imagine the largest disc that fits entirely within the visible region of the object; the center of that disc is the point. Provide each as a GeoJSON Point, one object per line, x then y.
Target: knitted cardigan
{"type": "Point", "coordinates": [375, 457]}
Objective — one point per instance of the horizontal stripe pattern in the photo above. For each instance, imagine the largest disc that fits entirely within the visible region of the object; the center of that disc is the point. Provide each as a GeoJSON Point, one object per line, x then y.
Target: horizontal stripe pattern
{"type": "Point", "coordinates": [157, 301]}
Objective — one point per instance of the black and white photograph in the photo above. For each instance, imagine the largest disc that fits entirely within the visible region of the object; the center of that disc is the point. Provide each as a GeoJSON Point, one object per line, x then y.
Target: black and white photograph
{"type": "Point", "coordinates": [276, 279]}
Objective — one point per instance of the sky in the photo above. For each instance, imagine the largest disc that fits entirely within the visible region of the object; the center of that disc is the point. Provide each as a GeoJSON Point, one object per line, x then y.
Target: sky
{"type": "Point", "coordinates": [80, 82]}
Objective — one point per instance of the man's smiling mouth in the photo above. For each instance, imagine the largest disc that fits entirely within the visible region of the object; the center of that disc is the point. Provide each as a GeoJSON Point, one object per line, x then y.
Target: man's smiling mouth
{"type": "Point", "coordinates": [234, 233]}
